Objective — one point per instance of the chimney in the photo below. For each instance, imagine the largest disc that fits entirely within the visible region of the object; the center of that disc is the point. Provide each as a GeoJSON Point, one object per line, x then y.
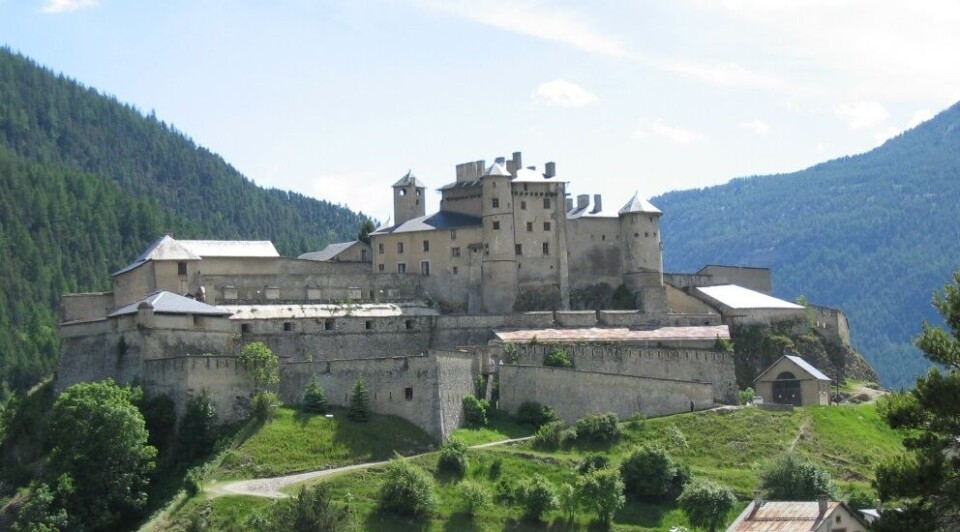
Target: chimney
{"type": "Point", "coordinates": [481, 168]}
{"type": "Point", "coordinates": [569, 204]}
{"type": "Point", "coordinates": [517, 160]}
{"type": "Point", "coordinates": [512, 168]}
{"type": "Point", "coordinates": [500, 160]}
{"type": "Point", "coordinates": [583, 200]}
{"type": "Point", "coordinates": [462, 172]}
{"type": "Point", "coordinates": [822, 502]}
{"type": "Point", "coordinates": [550, 169]}
{"type": "Point", "coordinates": [597, 205]}
{"type": "Point", "coordinates": [757, 503]}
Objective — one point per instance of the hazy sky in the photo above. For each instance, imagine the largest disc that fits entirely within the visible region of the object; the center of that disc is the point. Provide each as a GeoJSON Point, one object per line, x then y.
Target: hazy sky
{"type": "Point", "coordinates": [338, 99]}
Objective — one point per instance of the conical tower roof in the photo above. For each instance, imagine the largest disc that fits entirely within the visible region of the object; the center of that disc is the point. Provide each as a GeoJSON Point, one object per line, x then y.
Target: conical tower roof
{"type": "Point", "coordinates": [496, 169]}
{"type": "Point", "coordinates": [409, 179]}
{"type": "Point", "coordinates": [638, 204]}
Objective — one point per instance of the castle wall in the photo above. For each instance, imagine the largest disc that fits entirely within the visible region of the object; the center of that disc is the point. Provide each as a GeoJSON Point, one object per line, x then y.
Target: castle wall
{"type": "Point", "coordinates": [82, 307]}
{"type": "Point", "coordinates": [682, 302]}
{"type": "Point", "coordinates": [757, 279]}
{"type": "Point", "coordinates": [538, 219]}
{"type": "Point", "coordinates": [132, 285]}
{"type": "Point", "coordinates": [831, 323]}
{"type": "Point", "coordinates": [574, 393]}
{"type": "Point", "coordinates": [594, 248]}
{"type": "Point", "coordinates": [452, 331]}
{"type": "Point", "coordinates": [763, 316]}
{"type": "Point", "coordinates": [184, 377]}
{"type": "Point", "coordinates": [463, 200]}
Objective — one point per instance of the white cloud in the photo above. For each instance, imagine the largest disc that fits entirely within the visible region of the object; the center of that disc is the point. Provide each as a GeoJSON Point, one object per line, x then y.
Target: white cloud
{"type": "Point", "coordinates": [671, 133]}
{"type": "Point", "coordinates": [862, 114]}
{"type": "Point", "coordinates": [562, 93]}
{"type": "Point", "coordinates": [919, 117]}
{"type": "Point", "coordinates": [885, 134]}
{"type": "Point", "coordinates": [757, 126]}
{"type": "Point", "coordinates": [66, 6]}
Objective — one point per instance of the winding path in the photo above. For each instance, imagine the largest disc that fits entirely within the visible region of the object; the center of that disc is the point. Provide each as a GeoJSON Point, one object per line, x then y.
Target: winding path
{"type": "Point", "coordinates": [271, 487]}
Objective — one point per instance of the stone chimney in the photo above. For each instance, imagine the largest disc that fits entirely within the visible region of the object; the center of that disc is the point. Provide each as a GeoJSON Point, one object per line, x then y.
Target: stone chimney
{"type": "Point", "coordinates": [550, 169]}
{"type": "Point", "coordinates": [569, 204]}
{"type": "Point", "coordinates": [822, 502]}
{"type": "Point", "coordinates": [757, 502]}
{"type": "Point", "coordinates": [583, 201]}
{"type": "Point", "coordinates": [500, 160]}
{"type": "Point", "coordinates": [597, 204]}
{"type": "Point", "coordinates": [517, 160]}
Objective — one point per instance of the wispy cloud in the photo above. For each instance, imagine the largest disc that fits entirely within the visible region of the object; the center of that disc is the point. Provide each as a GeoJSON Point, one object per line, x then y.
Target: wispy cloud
{"type": "Point", "coordinates": [862, 114]}
{"type": "Point", "coordinates": [66, 6]}
{"type": "Point", "coordinates": [757, 126]}
{"type": "Point", "coordinates": [562, 93]}
{"type": "Point", "coordinates": [675, 134]}
{"type": "Point", "coordinates": [920, 116]}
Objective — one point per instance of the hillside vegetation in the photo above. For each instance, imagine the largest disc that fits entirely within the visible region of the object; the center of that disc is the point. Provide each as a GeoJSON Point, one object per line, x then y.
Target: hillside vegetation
{"type": "Point", "coordinates": [869, 233]}
{"type": "Point", "coordinates": [86, 183]}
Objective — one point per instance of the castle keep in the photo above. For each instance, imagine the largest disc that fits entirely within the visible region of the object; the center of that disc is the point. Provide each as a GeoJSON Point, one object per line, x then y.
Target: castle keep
{"type": "Point", "coordinates": [507, 270]}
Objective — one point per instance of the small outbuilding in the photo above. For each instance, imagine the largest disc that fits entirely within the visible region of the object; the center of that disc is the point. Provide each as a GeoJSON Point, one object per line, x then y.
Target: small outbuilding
{"type": "Point", "coordinates": [797, 516]}
{"type": "Point", "coordinates": [791, 380]}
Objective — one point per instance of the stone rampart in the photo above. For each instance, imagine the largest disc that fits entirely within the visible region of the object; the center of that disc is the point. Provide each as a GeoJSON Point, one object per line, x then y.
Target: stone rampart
{"type": "Point", "coordinates": [184, 377]}
{"type": "Point", "coordinates": [632, 318]}
{"type": "Point", "coordinates": [576, 318]}
{"type": "Point", "coordinates": [575, 393]}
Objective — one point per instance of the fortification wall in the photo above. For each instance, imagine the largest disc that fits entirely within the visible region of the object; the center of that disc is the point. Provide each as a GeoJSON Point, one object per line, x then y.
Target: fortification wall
{"type": "Point", "coordinates": [764, 316]}
{"type": "Point", "coordinates": [575, 393]}
{"type": "Point", "coordinates": [184, 377]}
{"type": "Point", "coordinates": [81, 307]}
{"type": "Point", "coordinates": [831, 323]}
{"type": "Point", "coordinates": [716, 368]}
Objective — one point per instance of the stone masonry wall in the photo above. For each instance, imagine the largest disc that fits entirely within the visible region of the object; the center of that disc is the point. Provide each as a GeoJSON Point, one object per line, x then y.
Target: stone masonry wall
{"type": "Point", "coordinates": [184, 377]}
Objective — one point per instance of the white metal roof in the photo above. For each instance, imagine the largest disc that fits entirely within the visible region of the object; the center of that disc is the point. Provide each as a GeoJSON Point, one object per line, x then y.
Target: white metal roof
{"type": "Point", "coordinates": [231, 248]}
{"type": "Point", "coordinates": [293, 311]}
{"type": "Point", "coordinates": [638, 204]}
{"type": "Point", "coordinates": [808, 367]}
{"type": "Point", "coordinates": [738, 297]}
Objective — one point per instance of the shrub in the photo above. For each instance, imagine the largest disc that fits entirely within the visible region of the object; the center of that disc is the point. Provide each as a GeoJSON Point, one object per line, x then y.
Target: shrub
{"type": "Point", "coordinates": [650, 473]}
{"type": "Point", "coordinates": [591, 462]}
{"type": "Point", "coordinates": [197, 430]}
{"type": "Point", "coordinates": [537, 497]}
{"type": "Point", "coordinates": [706, 503]}
{"type": "Point", "coordinates": [360, 402]}
{"type": "Point", "coordinates": [473, 496]}
{"type": "Point", "coordinates": [637, 421]}
{"type": "Point", "coordinates": [600, 428]}
{"type": "Point", "coordinates": [568, 500]}
{"type": "Point", "coordinates": [506, 492]}
{"type": "Point", "coordinates": [407, 489]}
{"type": "Point", "coordinates": [558, 358]}
{"type": "Point", "coordinates": [453, 458]}
{"type": "Point", "coordinates": [533, 413]}
{"type": "Point", "coordinates": [265, 405]}
{"type": "Point", "coordinates": [475, 411]}
{"type": "Point", "coordinates": [793, 479]}
{"type": "Point", "coordinates": [676, 439]}
{"type": "Point", "coordinates": [495, 468]}
{"type": "Point", "coordinates": [553, 435]}
{"type": "Point", "coordinates": [860, 499]}
{"type": "Point", "coordinates": [312, 509]}
{"type": "Point", "coordinates": [601, 490]}
{"type": "Point", "coordinates": [193, 481]}
{"type": "Point", "coordinates": [746, 396]}
{"type": "Point", "coordinates": [314, 399]}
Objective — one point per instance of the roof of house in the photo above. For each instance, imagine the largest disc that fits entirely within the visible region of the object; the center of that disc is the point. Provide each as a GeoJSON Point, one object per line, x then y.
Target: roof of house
{"type": "Point", "coordinates": [786, 516]}
{"type": "Point", "coordinates": [638, 204]}
{"type": "Point", "coordinates": [329, 252]}
{"type": "Point", "coordinates": [594, 334]}
{"type": "Point", "coordinates": [804, 365]}
{"type": "Point", "coordinates": [409, 179]}
{"type": "Point", "coordinates": [738, 297]}
{"type": "Point", "coordinates": [430, 222]}
{"type": "Point", "coordinates": [167, 248]}
{"type": "Point", "coordinates": [164, 302]}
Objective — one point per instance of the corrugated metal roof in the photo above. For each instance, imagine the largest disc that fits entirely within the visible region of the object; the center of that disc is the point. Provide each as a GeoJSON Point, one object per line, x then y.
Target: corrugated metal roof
{"type": "Point", "coordinates": [164, 302]}
{"type": "Point", "coordinates": [409, 179]}
{"type": "Point", "coordinates": [594, 334]}
{"type": "Point", "coordinates": [738, 297]}
{"type": "Point", "coordinates": [438, 220]}
{"type": "Point", "coordinates": [359, 310]}
{"type": "Point", "coordinates": [329, 252]}
{"type": "Point", "coordinates": [783, 516]}
{"type": "Point", "coordinates": [638, 204]}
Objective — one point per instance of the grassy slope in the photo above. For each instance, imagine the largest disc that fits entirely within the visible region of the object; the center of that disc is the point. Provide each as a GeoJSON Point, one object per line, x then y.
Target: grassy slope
{"type": "Point", "coordinates": [731, 447]}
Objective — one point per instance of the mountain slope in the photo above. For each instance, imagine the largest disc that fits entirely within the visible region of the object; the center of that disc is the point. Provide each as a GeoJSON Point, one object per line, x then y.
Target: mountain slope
{"type": "Point", "coordinates": [874, 234]}
{"type": "Point", "coordinates": [86, 183]}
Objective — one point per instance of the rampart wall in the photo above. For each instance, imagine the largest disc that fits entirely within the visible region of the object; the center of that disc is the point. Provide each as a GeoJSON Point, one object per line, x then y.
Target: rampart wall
{"type": "Point", "coordinates": [184, 377]}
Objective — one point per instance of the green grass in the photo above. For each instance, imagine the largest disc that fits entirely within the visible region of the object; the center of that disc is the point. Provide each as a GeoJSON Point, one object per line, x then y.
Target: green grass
{"type": "Point", "coordinates": [499, 427]}
{"type": "Point", "coordinates": [295, 442]}
{"type": "Point", "coordinates": [227, 513]}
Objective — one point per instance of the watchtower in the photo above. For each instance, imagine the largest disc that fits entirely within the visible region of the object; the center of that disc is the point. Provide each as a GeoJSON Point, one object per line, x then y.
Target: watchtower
{"type": "Point", "coordinates": [408, 198]}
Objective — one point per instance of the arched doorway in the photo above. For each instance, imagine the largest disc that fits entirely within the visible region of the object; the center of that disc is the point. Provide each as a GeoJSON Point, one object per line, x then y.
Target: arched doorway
{"type": "Point", "coordinates": [786, 389]}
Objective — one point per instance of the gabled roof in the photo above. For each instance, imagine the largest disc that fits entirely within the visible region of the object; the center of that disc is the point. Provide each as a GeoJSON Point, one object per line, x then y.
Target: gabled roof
{"type": "Point", "coordinates": [331, 251]}
{"type": "Point", "coordinates": [788, 516]}
{"type": "Point", "coordinates": [409, 179]}
{"type": "Point", "coordinates": [164, 302]}
{"type": "Point", "coordinates": [166, 248]}
{"type": "Point", "coordinates": [738, 297]}
{"type": "Point", "coordinates": [637, 204]}
{"type": "Point", "coordinates": [438, 220]}
{"type": "Point", "coordinates": [803, 364]}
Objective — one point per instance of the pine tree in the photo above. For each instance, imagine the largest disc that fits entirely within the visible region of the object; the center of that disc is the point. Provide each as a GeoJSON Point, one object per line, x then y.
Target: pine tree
{"type": "Point", "coordinates": [360, 402]}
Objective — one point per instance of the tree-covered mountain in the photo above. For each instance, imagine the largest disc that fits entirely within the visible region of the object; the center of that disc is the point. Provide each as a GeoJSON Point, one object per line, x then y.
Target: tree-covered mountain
{"type": "Point", "coordinates": [874, 234]}
{"type": "Point", "coordinates": [86, 183]}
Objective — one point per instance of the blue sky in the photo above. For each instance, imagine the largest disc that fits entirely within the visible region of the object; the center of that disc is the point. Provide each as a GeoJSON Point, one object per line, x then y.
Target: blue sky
{"type": "Point", "coordinates": [338, 99]}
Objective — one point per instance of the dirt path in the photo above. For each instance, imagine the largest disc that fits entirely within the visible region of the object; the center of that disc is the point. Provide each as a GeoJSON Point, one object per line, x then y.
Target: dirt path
{"type": "Point", "coordinates": [271, 487]}
{"type": "Point", "coordinates": [804, 427]}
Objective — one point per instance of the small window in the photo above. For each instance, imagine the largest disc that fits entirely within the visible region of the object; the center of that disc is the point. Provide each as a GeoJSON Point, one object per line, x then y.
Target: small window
{"type": "Point", "coordinates": [529, 227]}
{"type": "Point", "coordinates": [518, 248]}
{"type": "Point", "coordinates": [546, 248]}
{"type": "Point", "coordinates": [408, 394]}
{"type": "Point", "coordinates": [486, 249]}
{"type": "Point", "coordinates": [426, 245]}
{"type": "Point", "coordinates": [328, 325]}
{"type": "Point", "coordinates": [546, 203]}
{"type": "Point", "coordinates": [181, 268]}
{"type": "Point", "coordinates": [287, 326]}
{"type": "Point", "coordinates": [546, 226]}
{"type": "Point", "coordinates": [425, 268]}
{"type": "Point", "coordinates": [651, 219]}
{"type": "Point", "coordinates": [603, 237]}
{"type": "Point", "coordinates": [401, 267]}
{"type": "Point", "coordinates": [244, 327]}
{"type": "Point", "coordinates": [409, 324]}
{"type": "Point", "coordinates": [496, 226]}
{"type": "Point", "coordinates": [403, 192]}
{"type": "Point", "coordinates": [495, 203]}
{"type": "Point", "coordinates": [380, 267]}
{"type": "Point", "coordinates": [456, 270]}
{"type": "Point", "coordinates": [453, 234]}
{"type": "Point", "coordinates": [399, 247]}
{"type": "Point", "coordinates": [524, 187]}
{"type": "Point", "coordinates": [523, 204]}
{"type": "Point", "coordinates": [455, 252]}
{"type": "Point", "coordinates": [380, 248]}
{"type": "Point", "coordinates": [646, 234]}
{"type": "Point", "coordinates": [368, 325]}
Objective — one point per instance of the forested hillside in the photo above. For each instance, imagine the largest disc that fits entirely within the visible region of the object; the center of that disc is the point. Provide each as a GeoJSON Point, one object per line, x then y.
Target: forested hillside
{"type": "Point", "coordinates": [874, 234]}
{"type": "Point", "coordinates": [86, 183]}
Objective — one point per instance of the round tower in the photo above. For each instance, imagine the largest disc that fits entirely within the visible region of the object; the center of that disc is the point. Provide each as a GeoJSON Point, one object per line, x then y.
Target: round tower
{"type": "Point", "coordinates": [408, 198]}
{"type": "Point", "coordinates": [641, 253]}
{"type": "Point", "coordinates": [499, 264]}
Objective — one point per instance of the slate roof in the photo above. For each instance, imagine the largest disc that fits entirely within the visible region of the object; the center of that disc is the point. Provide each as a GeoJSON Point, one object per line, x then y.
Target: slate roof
{"type": "Point", "coordinates": [329, 252]}
{"type": "Point", "coordinates": [787, 516]}
{"type": "Point", "coordinates": [167, 248]}
{"type": "Point", "coordinates": [164, 302]}
{"type": "Point", "coordinates": [461, 184]}
{"type": "Point", "coordinates": [595, 334]}
{"type": "Point", "coordinates": [638, 204]}
{"type": "Point", "coordinates": [738, 297]}
{"type": "Point", "coordinates": [804, 365]}
{"type": "Point", "coordinates": [409, 179]}
{"type": "Point", "coordinates": [430, 222]}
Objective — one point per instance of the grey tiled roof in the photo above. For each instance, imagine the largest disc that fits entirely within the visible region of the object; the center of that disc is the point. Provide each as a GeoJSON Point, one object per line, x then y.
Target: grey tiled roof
{"type": "Point", "coordinates": [438, 220]}
{"type": "Point", "coordinates": [461, 184]}
{"type": "Point", "coordinates": [409, 179]}
{"type": "Point", "coordinates": [638, 204]}
{"type": "Point", "coordinates": [164, 302]}
{"type": "Point", "coordinates": [496, 169]}
{"type": "Point", "coordinates": [166, 248]}
{"type": "Point", "coordinates": [329, 252]}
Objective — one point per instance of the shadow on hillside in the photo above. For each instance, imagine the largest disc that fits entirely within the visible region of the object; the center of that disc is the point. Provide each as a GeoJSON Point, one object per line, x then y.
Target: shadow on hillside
{"type": "Point", "coordinates": [386, 522]}
{"type": "Point", "coordinates": [461, 522]}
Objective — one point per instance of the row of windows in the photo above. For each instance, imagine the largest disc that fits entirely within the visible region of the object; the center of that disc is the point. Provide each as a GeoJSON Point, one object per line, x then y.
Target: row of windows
{"type": "Point", "coordinates": [547, 226]}
{"type": "Point", "coordinates": [328, 325]}
{"type": "Point", "coordinates": [495, 203]}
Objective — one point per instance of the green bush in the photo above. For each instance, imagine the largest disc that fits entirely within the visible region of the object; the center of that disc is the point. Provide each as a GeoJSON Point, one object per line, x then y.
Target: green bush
{"type": "Point", "coordinates": [599, 428]}
{"type": "Point", "coordinates": [533, 413]}
{"type": "Point", "coordinates": [650, 473]}
{"type": "Point", "coordinates": [706, 504]}
{"type": "Point", "coordinates": [746, 396]}
{"type": "Point", "coordinates": [791, 478]}
{"type": "Point", "coordinates": [453, 458]}
{"type": "Point", "coordinates": [475, 411]}
{"type": "Point", "coordinates": [312, 509]}
{"type": "Point", "coordinates": [568, 500]}
{"type": "Point", "coordinates": [193, 481]}
{"type": "Point", "coordinates": [558, 358]}
{"type": "Point", "coordinates": [265, 406]}
{"type": "Point", "coordinates": [601, 490]}
{"type": "Point", "coordinates": [197, 430]}
{"type": "Point", "coordinates": [591, 462]}
{"type": "Point", "coordinates": [360, 402]}
{"type": "Point", "coordinates": [506, 492]}
{"type": "Point", "coordinates": [537, 497]}
{"type": "Point", "coordinates": [553, 435]}
{"type": "Point", "coordinates": [407, 489]}
{"type": "Point", "coordinates": [314, 399]}
{"type": "Point", "coordinates": [637, 421]}
{"type": "Point", "coordinates": [676, 439]}
{"type": "Point", "coordinates": [473, 497]}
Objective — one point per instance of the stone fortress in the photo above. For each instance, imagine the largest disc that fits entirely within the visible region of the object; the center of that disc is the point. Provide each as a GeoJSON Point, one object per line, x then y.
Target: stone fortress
{"type": "Point", "coordinates": [437, 307]}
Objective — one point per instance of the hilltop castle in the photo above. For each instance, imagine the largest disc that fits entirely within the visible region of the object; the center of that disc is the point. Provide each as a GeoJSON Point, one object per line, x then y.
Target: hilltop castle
{"type": "Point", "coordinates": [508, 270]}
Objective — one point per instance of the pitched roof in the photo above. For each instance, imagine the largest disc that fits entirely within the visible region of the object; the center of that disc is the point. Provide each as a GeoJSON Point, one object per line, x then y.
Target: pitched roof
{"type": "Point", "coordinates": [738, 297]}
{"type": "Point", "coordinates": [496, 169]}
{"type": "Point", "coordinates": [329, 252]}
{"type": "Point", "coordinates": [438, 220]}
{"type": "Point", "coordinates": [786, 516]}
{"type": "Point", "coordinates": [164, 302]}
{"type": "Point", "coordinates": [409, 179]}
{"type": "Point", "coordinates": [804, 365]}
{"type": "Point", "coordinates": [166, 248]}
{"type": "Point", "coordinates": [638, 204]}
